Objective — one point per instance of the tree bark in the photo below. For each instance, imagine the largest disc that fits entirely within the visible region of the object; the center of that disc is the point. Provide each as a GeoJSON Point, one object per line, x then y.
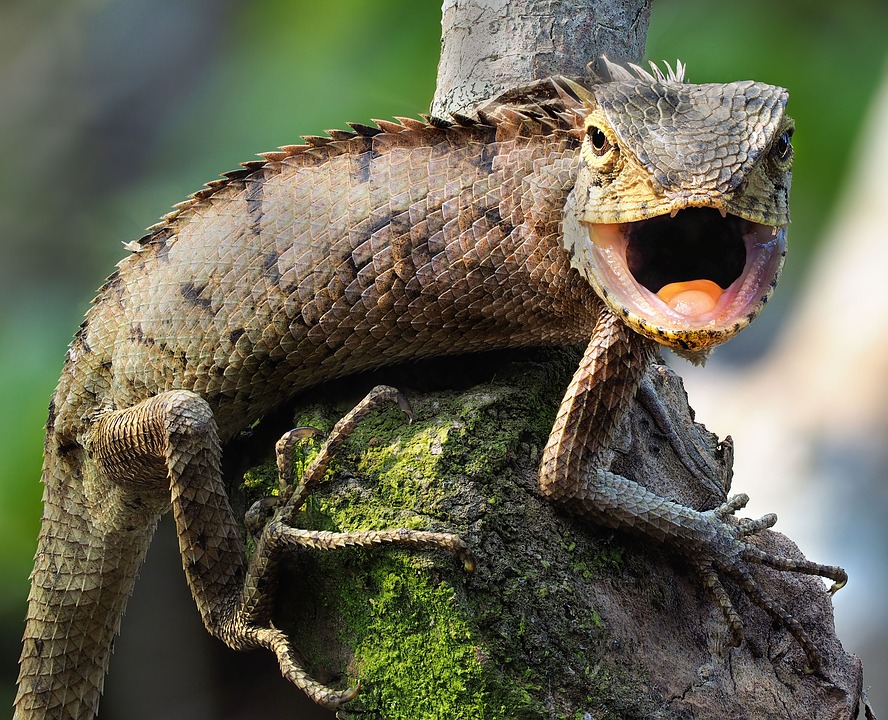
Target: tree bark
{"type": "Point", "coordinates": [488, 46]}
{"type": "Point", "coordinates": [561, 619]}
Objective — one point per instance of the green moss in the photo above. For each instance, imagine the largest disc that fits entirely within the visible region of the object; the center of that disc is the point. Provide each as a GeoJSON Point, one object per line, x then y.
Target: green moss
{"type": "Point", "coordinates": [404, 632]}
{"type": "Point", "coordinates": [260, 481]}
{"type": "Point", "coordinates": [413, 648]}
{"type": "Point", "coordinates": [609, 557]}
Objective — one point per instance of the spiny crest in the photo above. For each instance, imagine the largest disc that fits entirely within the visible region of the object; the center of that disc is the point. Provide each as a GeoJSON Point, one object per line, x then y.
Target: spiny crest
{"type": "Point", "coordinates": [550, 105]}
{"type": "Point", "coordinates": [614, 72]}
{"type": "Point", "coordinates": [314, 145]}
{"type": "Point", "coordinates": [546, 105]}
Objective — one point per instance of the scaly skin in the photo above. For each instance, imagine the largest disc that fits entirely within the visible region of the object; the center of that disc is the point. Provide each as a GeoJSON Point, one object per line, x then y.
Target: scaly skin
{"type": "Point", "coordinates": [364, 249]}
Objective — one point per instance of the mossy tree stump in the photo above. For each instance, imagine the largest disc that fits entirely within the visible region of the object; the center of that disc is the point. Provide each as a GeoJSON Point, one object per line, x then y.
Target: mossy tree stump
{"type": "Point", "coordinates": [561, 619]}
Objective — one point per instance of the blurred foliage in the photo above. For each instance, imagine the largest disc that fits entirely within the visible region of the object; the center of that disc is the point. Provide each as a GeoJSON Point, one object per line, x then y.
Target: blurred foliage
{"type": "Point", "coordinates": [116, 109]}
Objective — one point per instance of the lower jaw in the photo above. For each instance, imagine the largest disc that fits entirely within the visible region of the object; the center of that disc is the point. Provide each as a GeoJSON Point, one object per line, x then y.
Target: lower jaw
{"type": "Point", "coordinates": [693, 315]}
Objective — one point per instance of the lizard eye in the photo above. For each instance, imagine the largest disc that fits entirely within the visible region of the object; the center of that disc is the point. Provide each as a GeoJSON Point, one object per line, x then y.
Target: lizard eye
{"type": "Point", "coordinates": [598, 140]}
{"type": "Point", "coordinates": [783, 146]}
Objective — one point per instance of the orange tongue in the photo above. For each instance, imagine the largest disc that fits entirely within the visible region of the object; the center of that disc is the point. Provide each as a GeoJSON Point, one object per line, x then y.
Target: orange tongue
{"type": "Point", "coordinates": [691, 297]}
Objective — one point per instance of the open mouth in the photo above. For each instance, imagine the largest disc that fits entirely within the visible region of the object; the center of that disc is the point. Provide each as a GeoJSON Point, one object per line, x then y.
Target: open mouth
{"type": "Point", "coordinates": [697, 276]}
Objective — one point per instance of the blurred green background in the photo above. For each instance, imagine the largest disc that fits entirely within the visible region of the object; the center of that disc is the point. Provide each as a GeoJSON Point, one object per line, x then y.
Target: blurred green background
{"type": "Point", "coordinates": [113, 110]}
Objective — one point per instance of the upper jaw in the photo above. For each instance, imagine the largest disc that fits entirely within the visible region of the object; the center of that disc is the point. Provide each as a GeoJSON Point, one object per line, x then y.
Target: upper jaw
{"type": "Point", "coordinates": [689, 279]}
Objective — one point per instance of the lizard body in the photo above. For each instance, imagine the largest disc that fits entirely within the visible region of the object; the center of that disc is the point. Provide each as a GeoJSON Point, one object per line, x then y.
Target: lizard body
{"type": "Point", "coordinates": [374, 247]}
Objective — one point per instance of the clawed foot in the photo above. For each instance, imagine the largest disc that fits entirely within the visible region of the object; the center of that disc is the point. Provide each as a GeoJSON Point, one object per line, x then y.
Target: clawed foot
{"type": "Point", "coordinates": [270, 520]}
{"type": "Point", "coordinates": [728, 552]}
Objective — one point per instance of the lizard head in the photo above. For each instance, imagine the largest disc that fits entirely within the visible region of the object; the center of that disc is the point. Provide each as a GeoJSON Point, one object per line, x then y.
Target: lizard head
{"type": "Point", "coordinates": [679, 213]}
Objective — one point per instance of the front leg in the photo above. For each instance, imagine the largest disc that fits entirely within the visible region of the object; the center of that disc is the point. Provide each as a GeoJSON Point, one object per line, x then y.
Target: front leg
{"type": "Point", "coordinates": [574, 473]}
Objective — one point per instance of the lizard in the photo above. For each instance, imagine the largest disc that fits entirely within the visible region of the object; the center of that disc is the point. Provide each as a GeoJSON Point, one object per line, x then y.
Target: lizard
{"type": "Point", "coordinates": [626, 212]}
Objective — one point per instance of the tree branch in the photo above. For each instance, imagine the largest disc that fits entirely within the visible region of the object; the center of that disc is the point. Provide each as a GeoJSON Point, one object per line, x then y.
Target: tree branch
{"type": "Point", "coordinates": [487, 47]}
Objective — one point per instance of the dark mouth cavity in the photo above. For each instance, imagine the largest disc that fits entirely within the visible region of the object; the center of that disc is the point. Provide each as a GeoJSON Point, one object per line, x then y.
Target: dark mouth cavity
{"type": "Point", "coordinates": [697, 244]}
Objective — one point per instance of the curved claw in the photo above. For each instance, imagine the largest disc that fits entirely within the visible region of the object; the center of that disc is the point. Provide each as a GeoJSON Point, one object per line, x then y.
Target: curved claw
{"type": "Point", "coordinates": [304, 432]}
{"type": "Point", "coordinates": [333, 699]}
{"type": "Point", "coordinates": [839, 583]}
{"type": "Point", "coordinates": [405, 406]}
{"type": "Point", "coordinates": [284, 448]}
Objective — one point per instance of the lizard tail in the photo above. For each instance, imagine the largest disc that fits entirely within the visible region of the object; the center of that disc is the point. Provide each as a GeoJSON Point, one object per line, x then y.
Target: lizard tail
{"type": "Point", "coordinates": [81, 580]}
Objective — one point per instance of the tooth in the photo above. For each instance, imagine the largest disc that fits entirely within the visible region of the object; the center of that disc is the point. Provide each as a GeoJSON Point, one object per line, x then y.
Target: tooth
{"type": "Point", "coordinates": [724, 213]}
{"type": "Point", "coordinates": [774, 231]}
{"type": "Point", "coordinates": [673, 213]}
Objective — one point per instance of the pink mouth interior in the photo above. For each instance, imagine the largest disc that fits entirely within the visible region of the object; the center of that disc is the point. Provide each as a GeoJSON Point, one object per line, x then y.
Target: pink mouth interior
{"type": "Point", "coordinates": [697, 271]}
